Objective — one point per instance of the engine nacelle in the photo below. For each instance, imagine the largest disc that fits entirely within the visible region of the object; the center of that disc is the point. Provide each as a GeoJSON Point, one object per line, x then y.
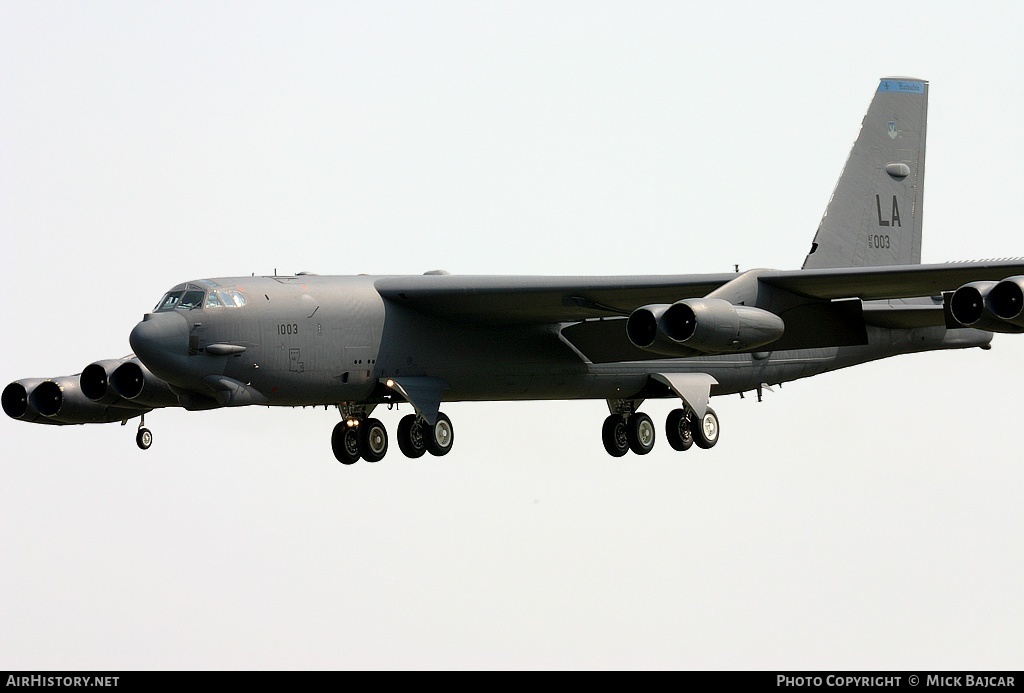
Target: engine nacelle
{"type": "Point", "coordinates": [643, 327]}
{"type": "Point", "coordinates": [133, 381]}
{"type": "Point", "coordinates": [95, 381]}
{"type": "Point", "coordinates": [17, 404]}
{"type": "Point", "coordinates": [702, 326]}
{"type": "Point", "coordinates": [1006, 300]}
{"type": "Point", "coordinates": [60, 400]}
{"type": "Point", "coordinates": [990, 306]}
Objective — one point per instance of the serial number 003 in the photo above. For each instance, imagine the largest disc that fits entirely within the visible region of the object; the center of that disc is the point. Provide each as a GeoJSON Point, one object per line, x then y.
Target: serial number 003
{"type": "Point", "coordinates": [291, 328]}
{"type": "Point", "coordinates": [879, 240]}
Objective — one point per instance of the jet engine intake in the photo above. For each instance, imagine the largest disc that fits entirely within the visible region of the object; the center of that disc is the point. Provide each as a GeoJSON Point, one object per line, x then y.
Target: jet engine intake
{"type": "Point", "coordinates": [16, 401]}
{"type": "Point", "coordinates": [133, 381]}
{"type": "Point", "coordinates": [1006, 300]}
{"type": "Point", "coordinates": [991, 306]}
{"type": "Point", "coordinates": [643, 326]}
{"type": "Point", "coordinates": [61, 401]}
{"type": "Point", "coordinates": [95, 381]}
{"type": "Point", "coordinates": [702, 326]}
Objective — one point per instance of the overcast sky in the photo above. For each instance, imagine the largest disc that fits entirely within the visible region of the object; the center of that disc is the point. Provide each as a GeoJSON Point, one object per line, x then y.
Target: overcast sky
{"type": "Point", "coordinates": [865, 519]}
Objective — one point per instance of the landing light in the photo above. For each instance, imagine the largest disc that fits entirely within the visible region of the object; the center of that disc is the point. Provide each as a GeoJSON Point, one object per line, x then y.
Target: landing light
{"type": "Point", "coordinates": [389, 382]}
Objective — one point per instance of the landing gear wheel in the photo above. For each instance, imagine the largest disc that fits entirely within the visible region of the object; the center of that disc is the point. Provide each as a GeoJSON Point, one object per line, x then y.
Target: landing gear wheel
{"type": "Point", "coordinates": [640, 432]}
{"type": "Point", "coordinates": [144, 438]}
{"type": "Point", "coordinates": [373, 440]}
{"type": "Point", "coordinates": [345, 443]}
{"type": "Point", "coordinates": [412, 437]}
{"type": "Point", "coordinates": [613, 435]}
{"type": "Point", "coordinates": [705, 433]}
{"type": "Point", "coordinates": [678, 431]}
{"type": "Point", "coordinates": [440, 437]}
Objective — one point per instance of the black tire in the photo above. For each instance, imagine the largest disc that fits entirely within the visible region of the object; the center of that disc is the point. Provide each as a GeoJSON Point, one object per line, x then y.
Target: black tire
{"type": "Point", "coordinates": [614, 437]}
{"type": "Point", "coordinates": [705, 433]}
{"type": "Point", "coordinates": [640, 432]}
{"type": "Point", "coordinates": [345, 443]}
{"type": "Point", "coordinates": [440, 436]}
{"type": "Point", "coordinates": [678, 430]}
{"type": "Point", "coordinates": [373, 440]}
{"type": "Point", "coordinates": [144, 438]}
{"type": "Point", "coordinates": [412, 438]}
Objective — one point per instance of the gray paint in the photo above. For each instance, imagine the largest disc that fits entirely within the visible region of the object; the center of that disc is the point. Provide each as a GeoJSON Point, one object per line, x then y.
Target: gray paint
{"type": "Point", "coordinates": [356, 342]}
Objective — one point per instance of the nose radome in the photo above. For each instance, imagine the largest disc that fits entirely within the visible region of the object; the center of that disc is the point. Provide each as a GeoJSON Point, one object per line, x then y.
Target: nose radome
{"type": "Point", "coordinates": [161, 341]}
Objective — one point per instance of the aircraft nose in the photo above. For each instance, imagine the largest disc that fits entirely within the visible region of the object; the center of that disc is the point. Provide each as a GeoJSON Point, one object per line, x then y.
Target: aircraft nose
{"type": "Point", "coordinates": [161, 342]}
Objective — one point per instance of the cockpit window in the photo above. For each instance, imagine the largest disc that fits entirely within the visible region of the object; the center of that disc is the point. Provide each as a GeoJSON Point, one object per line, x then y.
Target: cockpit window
{"type": "Point", "coordinates": [232, 299]}
{"type": "Point", "coordinates": [191, 299]}
{"type": "Point", "coordinates": [169, 301]}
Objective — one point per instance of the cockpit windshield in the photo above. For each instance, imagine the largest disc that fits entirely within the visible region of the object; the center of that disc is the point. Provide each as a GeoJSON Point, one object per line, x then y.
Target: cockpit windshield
{"type": "Point", "coordinates": [169, 301]}
{"type": "Point", "coordinates": [191, 298]}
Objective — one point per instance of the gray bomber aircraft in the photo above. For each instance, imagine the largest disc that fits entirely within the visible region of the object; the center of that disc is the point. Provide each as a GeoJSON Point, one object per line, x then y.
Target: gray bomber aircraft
{"type": "Point", "coordinates": [361, 341]}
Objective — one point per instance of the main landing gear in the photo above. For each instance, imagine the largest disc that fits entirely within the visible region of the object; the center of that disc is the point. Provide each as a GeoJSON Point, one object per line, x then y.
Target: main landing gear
{"type": "Point", "coordinates": [633, 430]}
{"type": "Point", "coordinates": [359, 436]}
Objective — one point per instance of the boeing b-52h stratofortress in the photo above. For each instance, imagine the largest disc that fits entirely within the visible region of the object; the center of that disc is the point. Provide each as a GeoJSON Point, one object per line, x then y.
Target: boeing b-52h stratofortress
{"type": "Point", "coordinates": [358, 342]}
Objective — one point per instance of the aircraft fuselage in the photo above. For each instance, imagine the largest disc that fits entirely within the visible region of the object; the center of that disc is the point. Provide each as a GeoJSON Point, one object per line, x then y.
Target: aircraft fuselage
{"type": "Point", "coordinates": [358, 341]}
{"type": "Point", "coordinates": [311, 340]}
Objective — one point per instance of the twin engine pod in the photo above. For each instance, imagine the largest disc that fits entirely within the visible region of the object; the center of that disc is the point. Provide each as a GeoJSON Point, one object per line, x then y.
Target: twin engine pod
{"type": "Point", "coordinates": [702, 326]}
{"type": "Point", "coordinates": [991, 306]}
{"type": "Point", "coordinates": [126, 380]}
{"type": "Point", "coordinates": [106, 391]}
{"type": "Point", "coordinates": [59, 401]}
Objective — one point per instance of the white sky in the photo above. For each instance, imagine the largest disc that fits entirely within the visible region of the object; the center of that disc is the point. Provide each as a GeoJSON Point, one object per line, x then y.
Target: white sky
{"type": "Point", "coordinates": [859, 520]}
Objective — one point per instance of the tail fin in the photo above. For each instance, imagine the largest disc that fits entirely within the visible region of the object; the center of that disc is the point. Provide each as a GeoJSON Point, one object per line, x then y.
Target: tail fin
{"type": "Point", "coordinates": [874, 215]}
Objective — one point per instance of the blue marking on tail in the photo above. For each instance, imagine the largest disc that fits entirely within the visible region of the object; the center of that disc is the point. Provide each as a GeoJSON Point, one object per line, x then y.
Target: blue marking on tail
{"type": "Point", "coordinates": [901, 85]}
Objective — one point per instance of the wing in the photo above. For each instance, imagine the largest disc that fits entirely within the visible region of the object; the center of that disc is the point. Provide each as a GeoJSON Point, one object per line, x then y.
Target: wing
{"type": "Point", "coordinates": [820, 307]}
{"type": "Point", "coordinates": [502, 300]}
{"type": "Point", "coordinates": [496, 300]}
{"type": "Point", "coordinates": [879, 283]}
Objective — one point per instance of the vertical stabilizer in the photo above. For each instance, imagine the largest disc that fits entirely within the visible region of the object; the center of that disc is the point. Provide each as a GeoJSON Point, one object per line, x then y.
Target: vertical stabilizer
{"type": "Point", "coordinates": [874, 215]}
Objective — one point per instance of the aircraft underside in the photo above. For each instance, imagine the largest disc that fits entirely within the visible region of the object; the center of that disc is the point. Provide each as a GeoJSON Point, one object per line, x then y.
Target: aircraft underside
{"type": "Point", "coordinates": [625, 386]}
